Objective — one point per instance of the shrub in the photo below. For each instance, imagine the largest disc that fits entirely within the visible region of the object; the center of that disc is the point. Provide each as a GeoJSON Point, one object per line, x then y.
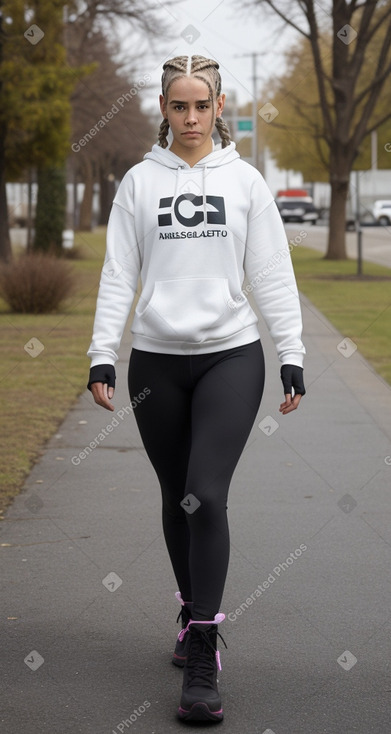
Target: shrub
{"type": "Point", "coordinates": [36, 283]}
{"type": "Point", "coordinates": [73, 253]}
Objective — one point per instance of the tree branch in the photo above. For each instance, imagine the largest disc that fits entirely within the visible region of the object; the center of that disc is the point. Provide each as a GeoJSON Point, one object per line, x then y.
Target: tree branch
{"type": "Point", "coordinates": [380, 79]}
{"type": "Point", "coordinates": [323, 160]}
{"type": "Point", "coordinates": [371, 31]}
{"type": "Point", "coordinates": [283, 17]}
{"type": "Point", "coordinates": [360, 129]}
{"type": "Point", "coordinates": [319, 71]}
{"type": "Point", "coordinates": [298, 105]}
{"type": "Point", "coordinates": [366, 34]}
{"type": "Point", "coordinates": [378, 123]}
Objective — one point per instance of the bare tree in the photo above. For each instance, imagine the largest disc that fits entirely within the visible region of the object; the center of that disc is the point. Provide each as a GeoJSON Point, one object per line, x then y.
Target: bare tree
{"type": "Point", "coordinates": [361, 35]}
{"type": "Point", "coordinates": [138, 12]}
{"type": "Point", "coordinates": [92, 38]}
{"type": "Point", "coordinates": [109, 130]}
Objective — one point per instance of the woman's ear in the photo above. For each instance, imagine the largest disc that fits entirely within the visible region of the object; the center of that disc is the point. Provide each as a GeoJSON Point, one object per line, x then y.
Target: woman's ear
{"type": "Point", "coordinates": [220, 105]}
{"type": "Point", "coordinates": [163, 106]}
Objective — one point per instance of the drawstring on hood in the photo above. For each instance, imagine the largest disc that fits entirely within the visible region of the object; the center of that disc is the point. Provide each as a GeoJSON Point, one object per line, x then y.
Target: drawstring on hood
{"type": "Point", "coordinates": [218, 157]}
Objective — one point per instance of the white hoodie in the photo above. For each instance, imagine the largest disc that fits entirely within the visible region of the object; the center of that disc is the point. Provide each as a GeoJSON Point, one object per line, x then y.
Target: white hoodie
{"type": "Point", "coordinates": [192, 234]}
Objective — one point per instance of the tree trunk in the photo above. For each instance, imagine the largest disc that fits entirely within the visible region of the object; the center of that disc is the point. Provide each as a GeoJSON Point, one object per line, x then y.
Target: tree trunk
{"type": "Point", "coordinates": [5, 242]}
{"type": "Point", "coordinates": [75, 199]}
{"type": "Point", "coordinates": [85, 223]}
{"type": "Point", "coordinates": [336, 249]}
{"type": "Point", "coordinates": [51, 209]}
{"type": "Point", "coordinates": [107, 193]}
{"type": "Point", "coordinates": [339, 181]}
{"type": "Point", "coordinates": [29, 244]}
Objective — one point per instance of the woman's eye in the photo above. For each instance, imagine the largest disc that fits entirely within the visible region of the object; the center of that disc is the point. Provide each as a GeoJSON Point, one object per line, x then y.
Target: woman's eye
{"type": "Point", "coordinates": [181, 107]}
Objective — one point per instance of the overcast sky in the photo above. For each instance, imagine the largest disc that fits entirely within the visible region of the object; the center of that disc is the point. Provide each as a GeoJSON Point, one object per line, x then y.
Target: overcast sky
{"type": "Point", "coordinates": [219, 29]}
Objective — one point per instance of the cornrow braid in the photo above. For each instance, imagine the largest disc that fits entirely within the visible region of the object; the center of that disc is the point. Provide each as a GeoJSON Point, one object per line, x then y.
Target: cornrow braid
{"type": "Point", "coordinates": [163, 132]}
{"type": "Point", "coordinates": [223, 131]}
{"type": "Point", "coordinates": [191, 65]}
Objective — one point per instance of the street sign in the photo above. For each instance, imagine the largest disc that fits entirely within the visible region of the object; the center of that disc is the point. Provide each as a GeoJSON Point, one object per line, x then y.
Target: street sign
{"type": "Point", "coordinates": [244, 123]}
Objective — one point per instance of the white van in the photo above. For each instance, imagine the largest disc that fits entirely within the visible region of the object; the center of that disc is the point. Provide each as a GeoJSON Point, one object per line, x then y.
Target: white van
{"type": "Point", "coordinates": [381, 211]}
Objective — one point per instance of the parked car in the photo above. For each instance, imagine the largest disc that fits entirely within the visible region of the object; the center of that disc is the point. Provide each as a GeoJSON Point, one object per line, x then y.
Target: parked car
{"type": "Point", "coordinates": [297, 209]}
{"type": "Point", "coordinates": [381, 211]}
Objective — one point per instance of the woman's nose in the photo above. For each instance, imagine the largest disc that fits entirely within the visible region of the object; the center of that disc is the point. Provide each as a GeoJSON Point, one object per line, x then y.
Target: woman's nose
{"type": "Point", "coordinates": [191, 117]}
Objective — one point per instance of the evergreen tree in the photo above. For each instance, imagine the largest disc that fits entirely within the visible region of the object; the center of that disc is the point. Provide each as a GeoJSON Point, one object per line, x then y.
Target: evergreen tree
{"type": "Point", "coordinates": [51, 206]}
{"type": "Point", "coordinates": [35, 88]}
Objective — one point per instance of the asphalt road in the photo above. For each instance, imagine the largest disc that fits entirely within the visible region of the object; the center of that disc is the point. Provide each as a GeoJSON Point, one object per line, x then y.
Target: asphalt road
{"type": "Point", "coordinates": [87, 603]}
{"type": "Point", "coordinates": [376, 241]}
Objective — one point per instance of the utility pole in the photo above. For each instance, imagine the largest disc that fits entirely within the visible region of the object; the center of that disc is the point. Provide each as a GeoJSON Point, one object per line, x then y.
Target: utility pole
{"type": "Point", "coordinates": [255, 112]}
{"type": "Point", "coordinates": [254, 142]}
{"type": "Point", "coordinates": [374, 150]}
{"type": "Point", "coordinates": [358, 226]}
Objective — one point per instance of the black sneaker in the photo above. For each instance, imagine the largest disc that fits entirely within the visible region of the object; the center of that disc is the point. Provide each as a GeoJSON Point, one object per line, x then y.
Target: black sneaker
{"type": "Point", "coordinates": [181, 646]}
{"type": "Point", "coordinates": [200, 699]}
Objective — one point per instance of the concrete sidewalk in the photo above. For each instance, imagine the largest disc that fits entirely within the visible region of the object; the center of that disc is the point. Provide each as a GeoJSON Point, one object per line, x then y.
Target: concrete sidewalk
{"type": "Point", "coordinates": [88, 605]}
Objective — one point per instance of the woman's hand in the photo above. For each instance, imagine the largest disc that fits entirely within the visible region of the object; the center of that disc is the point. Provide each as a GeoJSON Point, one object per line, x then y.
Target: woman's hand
{"type": "Point", "coordinates": [102, 394]}
{"type": "Point", "coordinates": [292, 377]}
{"type": "Point", "coordinates": [289, 404]}
{"type": "Point", "coordinates": [102, 384]}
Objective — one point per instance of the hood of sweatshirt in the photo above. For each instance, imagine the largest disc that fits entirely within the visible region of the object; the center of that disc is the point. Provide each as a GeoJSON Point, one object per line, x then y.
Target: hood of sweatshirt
{"type": "Point", "coordinates": [218, 157]}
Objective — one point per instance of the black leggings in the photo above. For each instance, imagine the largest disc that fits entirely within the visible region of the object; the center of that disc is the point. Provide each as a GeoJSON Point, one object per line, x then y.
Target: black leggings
{"type": "Point", "coordinates": [194, 414]}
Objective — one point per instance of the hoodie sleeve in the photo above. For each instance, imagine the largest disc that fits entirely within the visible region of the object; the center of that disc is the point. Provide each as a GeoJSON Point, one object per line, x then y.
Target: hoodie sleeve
{"type": "Point", "coordinates": [269, 270]}
{"type": "Point", "coordinates": [118, 284]}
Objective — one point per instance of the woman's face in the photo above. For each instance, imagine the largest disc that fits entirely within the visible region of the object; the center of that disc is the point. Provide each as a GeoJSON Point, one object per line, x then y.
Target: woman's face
{"type": "Point", "coordinates": [190, 113]}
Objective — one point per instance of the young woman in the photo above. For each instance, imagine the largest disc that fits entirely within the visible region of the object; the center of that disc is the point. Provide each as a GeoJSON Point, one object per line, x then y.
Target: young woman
{"type": "Point", "coordinates": [192, 220]}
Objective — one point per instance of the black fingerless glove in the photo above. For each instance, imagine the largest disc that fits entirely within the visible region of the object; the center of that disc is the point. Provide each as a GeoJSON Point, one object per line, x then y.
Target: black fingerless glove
{"type": "Point", "coordinates": [292, 376]}
{"type": "Point", "coordinates": [102, 373]}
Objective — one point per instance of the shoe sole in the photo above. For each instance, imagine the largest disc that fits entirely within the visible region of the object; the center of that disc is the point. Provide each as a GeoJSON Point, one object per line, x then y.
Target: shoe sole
{"type": "Point", "coordinates": [200, 712]}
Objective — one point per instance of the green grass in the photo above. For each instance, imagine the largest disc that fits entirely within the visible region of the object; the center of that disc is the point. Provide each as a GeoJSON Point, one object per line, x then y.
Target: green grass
{"type": "Point", "coordinates": [36, 393]}
{"type": "Point", "coordinates": [358, 306]}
